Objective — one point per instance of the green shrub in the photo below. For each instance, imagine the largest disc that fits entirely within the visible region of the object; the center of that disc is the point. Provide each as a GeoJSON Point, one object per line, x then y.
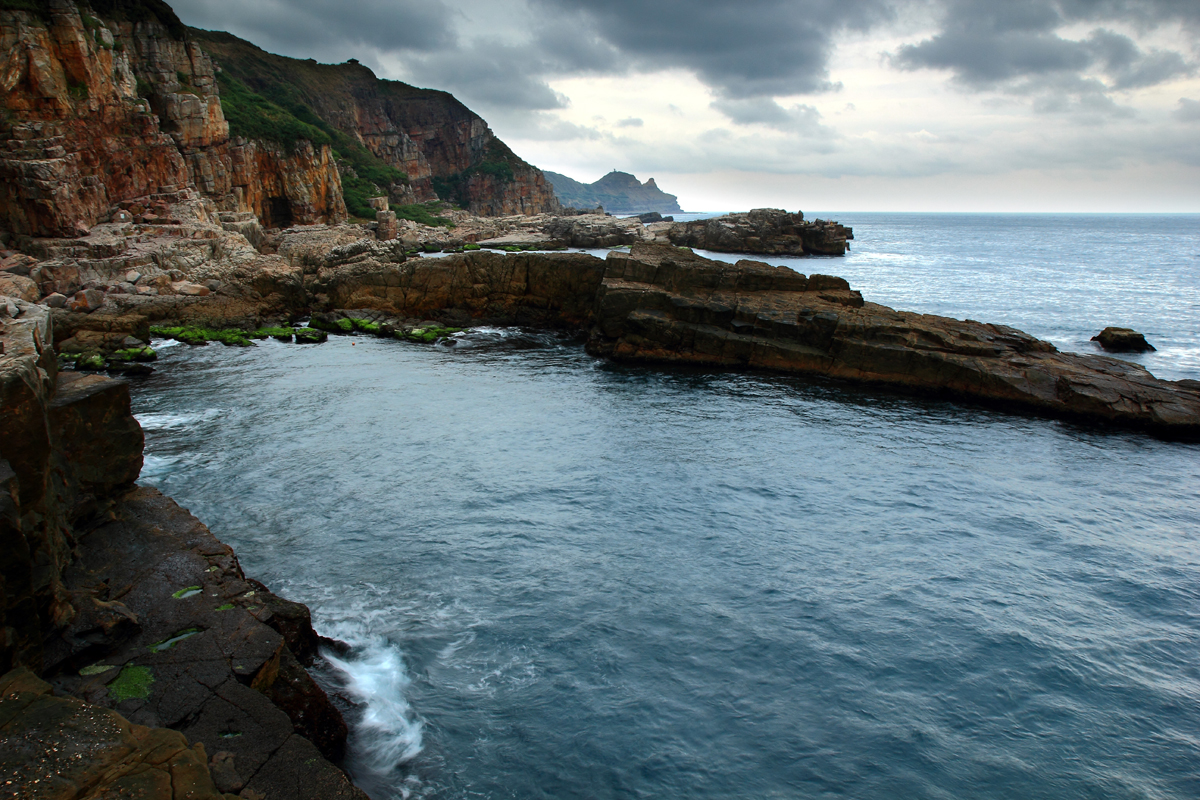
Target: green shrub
{"type": "Point", "coordinates": [252, 116]}
{"type": "Point", "coordinates": [424, 214]}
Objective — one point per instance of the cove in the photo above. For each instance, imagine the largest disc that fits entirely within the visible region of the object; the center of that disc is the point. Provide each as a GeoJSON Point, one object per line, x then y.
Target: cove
{"type": "Point", "coordinates": [565, 578]}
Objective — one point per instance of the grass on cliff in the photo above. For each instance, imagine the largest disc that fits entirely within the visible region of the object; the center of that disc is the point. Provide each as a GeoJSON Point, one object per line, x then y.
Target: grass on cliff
{"type": "Point", "coordinates": [497, 163]}
{"type": "Point", "coordinates": [282, 118]}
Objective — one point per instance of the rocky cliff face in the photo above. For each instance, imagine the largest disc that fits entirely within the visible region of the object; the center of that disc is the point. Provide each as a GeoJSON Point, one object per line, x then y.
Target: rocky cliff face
{"type": "Point", "coordinates": [102, 111]}
{"type": "Point", "coordinates": [446, 150]}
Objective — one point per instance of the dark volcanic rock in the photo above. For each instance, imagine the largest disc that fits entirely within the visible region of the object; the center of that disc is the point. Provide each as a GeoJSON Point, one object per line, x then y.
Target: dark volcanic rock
{"type": "Point", "coordinates": [662, 304]}
{"type": "Point", "coordinates": [768, 231]}
{"type": "Point", "coordinates": [1122, 340]}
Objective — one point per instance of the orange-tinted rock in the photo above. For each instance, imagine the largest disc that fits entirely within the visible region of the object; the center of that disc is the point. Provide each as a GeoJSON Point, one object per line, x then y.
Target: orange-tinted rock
{"type": "Point", "coordinates": [122, 111]}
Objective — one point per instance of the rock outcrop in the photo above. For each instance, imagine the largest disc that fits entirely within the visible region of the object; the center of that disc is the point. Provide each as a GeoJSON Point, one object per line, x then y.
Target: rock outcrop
{"type": "Point", "coordinates": [766, 231]}
{"type": "Point", "coordinates": [617, 192]}
{"type": "Point", "coordinates": [661, 304]}
{"type": "Point", "coordinates": [446, 150]}
{"type": "Point", "coordinates": [54, 747]}
{"type": "Point", "coordinates": [1123, 340]}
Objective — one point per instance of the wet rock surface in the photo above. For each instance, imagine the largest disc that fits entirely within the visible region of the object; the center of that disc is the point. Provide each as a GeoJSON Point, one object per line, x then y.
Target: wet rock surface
{"type": "Point", "coordinates": [665, 305]}
{"type": "Point", "coordinates": [126, 602]}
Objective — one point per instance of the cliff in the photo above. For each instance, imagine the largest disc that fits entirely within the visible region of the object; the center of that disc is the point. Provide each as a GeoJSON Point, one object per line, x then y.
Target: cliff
{"type": "Point", "coordinates": [100, 110]}
{"type": "Point", "coordinates": [445, 150]}
{"type": "Point", "coordinates": [618, 192]}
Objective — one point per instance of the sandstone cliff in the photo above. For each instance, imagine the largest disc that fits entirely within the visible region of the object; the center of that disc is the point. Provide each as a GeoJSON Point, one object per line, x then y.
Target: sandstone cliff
{"type": "Point", "coordinates": [100, 111]}
{"type": "Point", "coordinates": [446, 150]}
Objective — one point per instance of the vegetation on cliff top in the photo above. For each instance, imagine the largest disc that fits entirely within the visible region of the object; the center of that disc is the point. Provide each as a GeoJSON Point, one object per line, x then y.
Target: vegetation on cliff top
{"type": "Point", "coordinates": [284, 119]}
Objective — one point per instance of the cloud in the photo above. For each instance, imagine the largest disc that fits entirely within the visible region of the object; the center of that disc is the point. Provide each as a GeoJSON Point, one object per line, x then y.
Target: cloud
{"type": "Point", "coordinates": [799, 119]}
{"type": "Point", "coordinates": [1017, 46]}
{"type": "Point", "coordinates": [630, 122]}
{"type": "Point", "coordinates": [753, 48]}
{"type": "Point", "coordinates": [327, 28]}
{"type": "Point", "coordinates": [1188, 111]}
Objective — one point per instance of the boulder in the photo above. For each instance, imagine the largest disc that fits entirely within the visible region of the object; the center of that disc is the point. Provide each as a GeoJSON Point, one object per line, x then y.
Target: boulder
{"type": "Point", "coordinates": [12, 285]}
{"type": "Point", "coordinates": [1122, 340]}
{"type": "Point", "coordinates": [55, 300]}
{"type": "Point", "coordinates": [86, 301]}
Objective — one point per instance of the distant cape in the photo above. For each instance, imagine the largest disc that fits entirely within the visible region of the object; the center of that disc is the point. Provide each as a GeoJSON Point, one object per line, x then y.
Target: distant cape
{"type": "Point", "coordinates": [618, 192]}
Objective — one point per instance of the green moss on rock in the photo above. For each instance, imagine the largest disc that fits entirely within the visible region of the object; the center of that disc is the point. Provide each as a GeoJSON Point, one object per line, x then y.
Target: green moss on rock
{"type": "Point", "coordinates": [132, 684]}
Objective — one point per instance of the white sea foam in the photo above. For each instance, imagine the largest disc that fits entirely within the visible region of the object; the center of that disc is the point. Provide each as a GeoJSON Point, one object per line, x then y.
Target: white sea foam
{"type": "Point", "coordinates": [388, 732]}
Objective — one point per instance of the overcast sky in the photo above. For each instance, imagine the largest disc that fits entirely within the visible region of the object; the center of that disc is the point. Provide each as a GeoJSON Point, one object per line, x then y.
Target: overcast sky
{"type": "Point", "coordinates": [836, 105]}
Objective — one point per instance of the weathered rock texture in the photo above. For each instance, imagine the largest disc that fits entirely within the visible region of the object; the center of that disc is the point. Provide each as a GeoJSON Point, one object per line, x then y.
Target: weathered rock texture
{"type": "Point", "coordinates": [662, 304]}
{"type": "Point", "coordinates": [124, 600]}
{"type": "Point", "coordinates": [100, 111]}
{"type": "Point", "coordinates": [769, 231]}
{"type": "Point", "coordinates": [446, 150]}
{"type": "Point", "coordinates": [53, 748]}
{"type": "Point", "coordinates": [1122, 340]}
{"type": "Point", "coordinates": [545, 289]}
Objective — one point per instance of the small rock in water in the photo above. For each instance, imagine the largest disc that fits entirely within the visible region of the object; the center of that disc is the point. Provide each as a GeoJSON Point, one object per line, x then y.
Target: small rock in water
{"type": "Point", "coordinates": [1122, 340]}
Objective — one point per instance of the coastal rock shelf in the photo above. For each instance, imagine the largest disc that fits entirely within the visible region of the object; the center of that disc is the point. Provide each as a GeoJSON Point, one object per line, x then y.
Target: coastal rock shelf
{"type": "Point", "coordinates": [665, 305]}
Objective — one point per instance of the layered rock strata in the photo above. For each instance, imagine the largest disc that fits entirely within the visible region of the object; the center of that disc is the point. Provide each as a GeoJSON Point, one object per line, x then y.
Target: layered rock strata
{"type": "Point", "coordinates": [446, 150]}
{"type": "Point", "coordinates": [102, 111]}
{"type": "Point", "coordinates": [661, 304]}
{"type": "Point", "coordinates": [766, 231]}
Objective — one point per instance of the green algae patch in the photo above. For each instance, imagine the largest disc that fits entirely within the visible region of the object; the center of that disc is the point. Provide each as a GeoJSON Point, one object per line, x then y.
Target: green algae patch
{"type": "Point", "coordinates": [91, 361]}
{"type": "Point", "coordinates": [190, 591]}
{"type": "Point", "coordinates": [132, 684]}
{"type": "Point", "coordinates": [226, 607]}
{"type": "Point", "coordinates": [426, 335]}
{"type": "Point", "coordinates": [96, 669]}
{"type": "Point", "coordinates": [134, 354]}
{"type": "Point", "coordinates": [231, 337]}
{"type": "Point", "coordinates": [365, 326]}
{"type": "Point", "coordinates": [310, 336]}
{"type": "Point", "coordinates": [281, 334]}
{"type": "Point", "coordinates": [471, 246]}
{"type": "Point", "coordinates": [167, 644]}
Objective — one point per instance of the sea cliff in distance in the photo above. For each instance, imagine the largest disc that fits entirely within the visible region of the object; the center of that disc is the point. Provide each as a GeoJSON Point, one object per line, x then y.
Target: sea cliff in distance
{"type": "Point", "coordinates": [618, 192]}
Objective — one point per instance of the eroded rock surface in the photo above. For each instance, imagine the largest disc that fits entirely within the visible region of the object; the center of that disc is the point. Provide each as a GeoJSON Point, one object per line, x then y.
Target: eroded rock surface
{"type": "Point", "coordinates": [666, 305]}
{"type": "Point", "coordinates": [57, 748]}
{"type": "Point", "coordinates": [767, 231]}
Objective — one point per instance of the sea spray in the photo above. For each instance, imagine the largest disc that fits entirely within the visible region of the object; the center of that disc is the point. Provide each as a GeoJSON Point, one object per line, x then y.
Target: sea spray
{"type": "Point", "coordinates": [386, 734]}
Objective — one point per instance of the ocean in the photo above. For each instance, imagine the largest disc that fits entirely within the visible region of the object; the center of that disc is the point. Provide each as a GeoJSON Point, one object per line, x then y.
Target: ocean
{"type": "Point", "coordinates": [565, 578]}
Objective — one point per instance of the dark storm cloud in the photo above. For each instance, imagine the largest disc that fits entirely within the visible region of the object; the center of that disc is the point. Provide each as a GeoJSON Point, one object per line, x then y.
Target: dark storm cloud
{"type": "Point", "coordinates": [1016, 44]}
{"type": "Point", "coordinates": [753, 48]}
{"type": "Point", "coordinates": [326, 29]}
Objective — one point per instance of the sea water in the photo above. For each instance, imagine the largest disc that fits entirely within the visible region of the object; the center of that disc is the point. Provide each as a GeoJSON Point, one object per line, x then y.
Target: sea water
{"type": "Point", "coordinates": [565, 578]}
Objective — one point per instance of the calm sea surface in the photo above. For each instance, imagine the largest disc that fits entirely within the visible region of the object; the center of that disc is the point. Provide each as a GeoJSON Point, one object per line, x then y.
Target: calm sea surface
{"type": "Point", "coordinates": [568, 579]}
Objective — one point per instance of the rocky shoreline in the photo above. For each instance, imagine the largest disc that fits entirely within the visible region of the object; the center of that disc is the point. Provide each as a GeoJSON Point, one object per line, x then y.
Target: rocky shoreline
{"type": "Point", "coordinates": [155, 651]}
